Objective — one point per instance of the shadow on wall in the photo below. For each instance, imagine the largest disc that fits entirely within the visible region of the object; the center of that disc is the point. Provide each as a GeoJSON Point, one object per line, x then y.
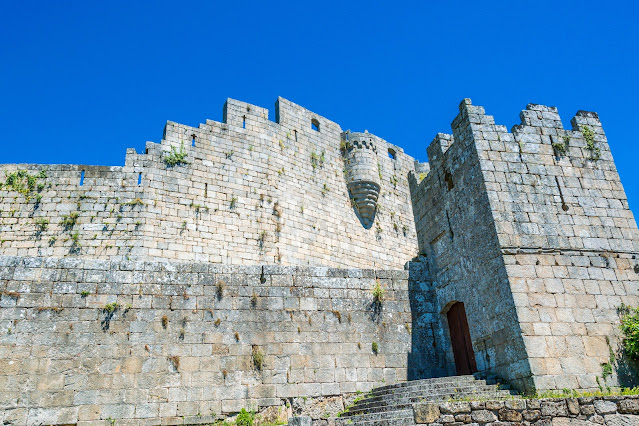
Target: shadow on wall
{"type": "Point", "coordinates": [366, 220]}
{"type": "Point", "coordinates": [425, 359]}
{"type": "Point", "coordinates": [627, 371]}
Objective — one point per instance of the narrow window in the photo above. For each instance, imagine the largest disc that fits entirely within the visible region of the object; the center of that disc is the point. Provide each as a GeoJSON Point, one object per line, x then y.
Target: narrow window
{"type": "Point", "coordinates": [193, 140]}
{"type": "Point", "coordinates": [391, 153]}
{"type": "Point", "coordinates": [139, 178]}
{"type": "Point", "coordinates": [449, 180]}
{"type": "Point", "coordinates": [244, 122]}
{"type": "Point", "coordinates": [206, 190]}
{"type": "Point", "coordinates": [82, 178]}
{"type": "Point", "coordinates": [295, 132]}
{"type": "Point", "coordinates": [315, 125]}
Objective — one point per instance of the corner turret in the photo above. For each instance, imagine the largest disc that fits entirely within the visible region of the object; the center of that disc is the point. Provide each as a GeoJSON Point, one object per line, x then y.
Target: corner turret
{"type": "Point", "coordinates": [362, 173]}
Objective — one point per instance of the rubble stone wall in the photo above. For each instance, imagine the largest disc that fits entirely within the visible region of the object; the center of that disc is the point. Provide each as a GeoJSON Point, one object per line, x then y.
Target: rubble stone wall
{"type": "Point", "coordinates": [602, 410]}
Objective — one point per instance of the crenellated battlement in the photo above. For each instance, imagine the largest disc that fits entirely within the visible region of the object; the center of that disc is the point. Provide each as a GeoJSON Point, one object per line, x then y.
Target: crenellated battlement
{"type": "Point", "coordinates": [282, 183]}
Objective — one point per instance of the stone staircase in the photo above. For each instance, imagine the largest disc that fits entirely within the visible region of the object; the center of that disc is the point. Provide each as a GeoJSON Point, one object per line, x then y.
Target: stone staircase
{"type": "Point", "coordinates": [392, 405]}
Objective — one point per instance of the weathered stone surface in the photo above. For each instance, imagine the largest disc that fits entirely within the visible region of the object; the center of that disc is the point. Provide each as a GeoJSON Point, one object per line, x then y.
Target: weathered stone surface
{"type": "Point", "coordinates": [483, 416]}
{"type": "Point", "coordinates": [531, 415]}
{"type": "Point", "coordinates": [629, 406]}
{"type": "Point", "coordinates": [447, 418]}
{"type": "Point", "coordinates": [455, 407]}
{"type": "Point", "coordinates": [426, 412]}
{"type": "Point", "coordinates": [464, 418]}
{"type": "Point", "coordinates": [300, 421]}
{"type": "Point", "coordinates": [605, 407]}
{"type": "Point", "coordinates": [554, 408]}
{"type": "Point", "coordinates": [621, 420]}
{"type": "Point", "coordinates": [508, 415]}
{"type": "Point", "coordinates": [567, 421]}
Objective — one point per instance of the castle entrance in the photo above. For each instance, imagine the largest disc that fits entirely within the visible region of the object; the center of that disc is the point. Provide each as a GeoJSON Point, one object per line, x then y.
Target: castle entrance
{"type": "Point", "coordinates": [460, 339]}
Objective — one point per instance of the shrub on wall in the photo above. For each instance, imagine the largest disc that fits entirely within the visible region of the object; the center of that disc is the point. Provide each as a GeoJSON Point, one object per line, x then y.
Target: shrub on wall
{"type": "Point", "coordinates": [630, 330]}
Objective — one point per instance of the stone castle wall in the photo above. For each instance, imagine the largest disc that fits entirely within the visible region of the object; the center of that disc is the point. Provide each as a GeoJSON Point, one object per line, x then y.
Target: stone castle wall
{"type": "Point", "coordinates": [254, 191]}
{"type": "Point", "coordinates": [150, 286]}
{"type": "Point", "coordinates": [87, 340]}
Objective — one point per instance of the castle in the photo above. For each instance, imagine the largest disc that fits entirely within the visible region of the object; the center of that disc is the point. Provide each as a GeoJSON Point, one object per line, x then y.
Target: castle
{"type": "Point", "coordinates": [242, 263]}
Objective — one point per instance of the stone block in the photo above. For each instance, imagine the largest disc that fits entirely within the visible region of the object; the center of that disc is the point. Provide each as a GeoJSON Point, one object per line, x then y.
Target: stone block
{"type": "Point", "coordinates": [605, 407]}
{"type": "Point", "coordinates": [628, 406]}
{"type": "Point", "coordinates": [554, 408]}
{"type": "Point", "coordinates": [483, 416]}
{"type": "Point", "coordinates": [300, 421]}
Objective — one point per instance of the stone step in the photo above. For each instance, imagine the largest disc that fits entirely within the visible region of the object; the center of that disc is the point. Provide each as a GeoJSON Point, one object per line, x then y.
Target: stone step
{"type": "Point", "coordinates": [407, 403]}
{"type": "Point", "coordinates": [392, 404]}
{"type": "Point", "coordinates": [406, 413]}
{"type": "Point", "coordinates": [416, 397]}
{"type": "Point", "coordinates": [426, 387]}
{"type": "Point", "coordinates": [446, 379]}
{"type": "Point", "coordinates": [400, 421]}
{"type": "Point", "coordinates": [425, 391]}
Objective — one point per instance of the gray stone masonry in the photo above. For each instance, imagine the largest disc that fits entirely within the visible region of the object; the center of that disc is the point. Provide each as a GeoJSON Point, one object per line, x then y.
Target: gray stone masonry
{"type": "Point", "coordinates": [84, 340]}
{"type": "Point", "coordinates": [582, 411]}
{"type": "Point", "coordinates": [252, 191]}
{"type": "Point", "coordinates": [532, 231]}
{"type": "Point", "coordinates": [232, 265]}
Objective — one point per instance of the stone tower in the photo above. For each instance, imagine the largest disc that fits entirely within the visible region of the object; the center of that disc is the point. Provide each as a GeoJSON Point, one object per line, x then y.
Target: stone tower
{"type": "Point", "coordinates": [531, 230]}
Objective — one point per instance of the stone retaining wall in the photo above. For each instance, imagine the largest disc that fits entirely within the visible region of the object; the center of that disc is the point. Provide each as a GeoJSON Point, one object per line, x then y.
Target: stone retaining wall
{"type": "Point", "coordinates": [583, 411]}
{"type": "Point", "coordinates": [87, 340]}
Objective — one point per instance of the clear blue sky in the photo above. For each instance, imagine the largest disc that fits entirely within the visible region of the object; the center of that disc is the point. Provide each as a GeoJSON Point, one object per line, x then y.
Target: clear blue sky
{"type": "Point", "coordinates": [81, 81]}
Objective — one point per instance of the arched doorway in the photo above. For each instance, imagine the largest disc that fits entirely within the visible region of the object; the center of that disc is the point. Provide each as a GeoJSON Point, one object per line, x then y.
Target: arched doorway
{"type": "Point", "coordinates": [460, 339]}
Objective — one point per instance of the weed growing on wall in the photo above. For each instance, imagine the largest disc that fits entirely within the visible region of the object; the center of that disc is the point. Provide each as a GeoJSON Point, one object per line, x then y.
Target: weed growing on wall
{"type": "Point", "coordinates": [559, 149]}
{"type": "Point", "coordinates": [175, 360]}
{"type": "Point", "coordinates": [589, 136]}
{"type": "Point", "coordinates": [220, 287]}
{"type": "Point", "coordinates": [245, 418]}
{"type": "Point", "coordinates": [111, 307]}
{"type": "Point", "coordinates": [378, 292]}
{"type": "Point", "coordinates": [314, 160]}
{"type": "Point", "coordinates": [41, 224]}
{"type": "Point", "coordinates": [69, 220]}
{"type": "Point", "coordinates": [176, 157]}
{"type": "Point", "coordinates": [22, 182]}
{"type": "Point", "coordinates": [258, 357]}
{"type": "Point", "coordinates": [135, 202]}
{"type": "Point", "coordinates": [630, 329]}
{"type": "Point", "coordinates": [345, 146]}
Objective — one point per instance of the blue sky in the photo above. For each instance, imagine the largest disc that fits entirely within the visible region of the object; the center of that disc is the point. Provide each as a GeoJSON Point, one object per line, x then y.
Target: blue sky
{"type": "Point", "coordinates": [82, 81]}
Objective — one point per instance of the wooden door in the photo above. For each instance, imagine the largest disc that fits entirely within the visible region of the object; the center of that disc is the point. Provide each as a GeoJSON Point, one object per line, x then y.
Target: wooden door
{"type": "Point", "coordinates": [460, 339]}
